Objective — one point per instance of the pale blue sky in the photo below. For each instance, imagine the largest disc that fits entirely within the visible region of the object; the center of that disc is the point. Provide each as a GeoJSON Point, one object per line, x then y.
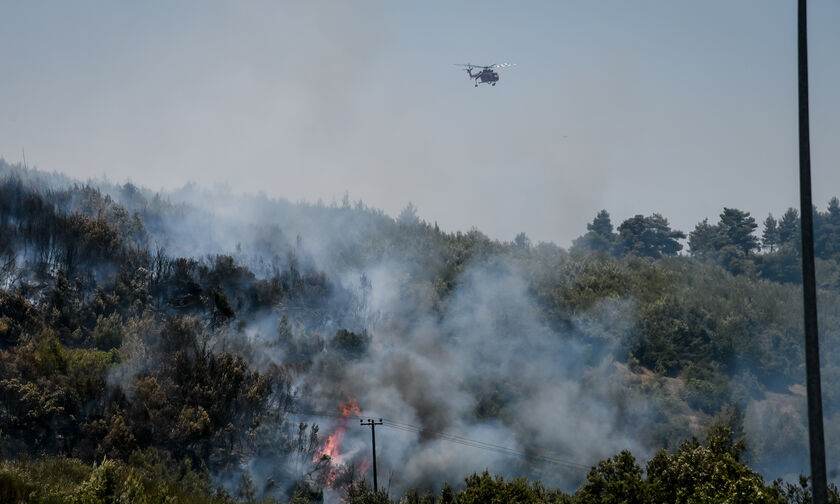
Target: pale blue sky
{"type": "Point", "coordinates": [676, 107]}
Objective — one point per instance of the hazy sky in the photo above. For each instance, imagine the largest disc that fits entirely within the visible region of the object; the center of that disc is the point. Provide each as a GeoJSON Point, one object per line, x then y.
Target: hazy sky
{"type": "Point", "coordinates": [676, 107]}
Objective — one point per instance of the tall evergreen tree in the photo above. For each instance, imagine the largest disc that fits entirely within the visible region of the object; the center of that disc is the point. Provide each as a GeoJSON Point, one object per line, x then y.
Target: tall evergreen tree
{"type": "Point", "coordinates": [827, 231]}
{"type": "Point", "coordinates": [789, 229]}
{"type": "Point", "coordinates": [736, 228]}
{"type": "Point", "coordinates": [602, 225]}
{"type": "Point", "coordinates": [522, 241]}
{"type": "Point", "coordinates": [701, 241]}
{"type": "Point", "coordinates": [650, 236]}
{"type": "Point", "coordinates": [770, 236]}
{"type": "Point", "coordinates": [834, 209]}
{"type": "Point", "coordinates": [599, 235]}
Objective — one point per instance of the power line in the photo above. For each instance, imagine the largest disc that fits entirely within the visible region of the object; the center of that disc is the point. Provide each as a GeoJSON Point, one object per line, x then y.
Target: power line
{"type": "Point", "coordinates": [452, 438]}
{"type": "Point", "coordinates": [489, 446]}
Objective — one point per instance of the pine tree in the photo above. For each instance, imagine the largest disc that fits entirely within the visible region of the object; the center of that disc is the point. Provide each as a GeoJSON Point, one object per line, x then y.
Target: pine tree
{"type": "Point", "coordinates": [602, 225]}
{"type": "Point", "coordinates": [649, 237]}
{"type": "Point", "coordinates": [701, 241]}
{"type": "Point", "coordinates": [770, 236]}
{"type": "Point", "coordinates": [599, 235]}
{"type": "Point", "coordinates": [736, 228]}
{"type": "Point", "coordinates": [789, 229]}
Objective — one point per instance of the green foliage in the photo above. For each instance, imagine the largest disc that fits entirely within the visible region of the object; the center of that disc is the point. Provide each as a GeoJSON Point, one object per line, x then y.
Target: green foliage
{"type": "Point", "coordinates": [730, 242]}
{"type": "Point", "coordinates": [783, 265]}
{"type": "Point", "coordinates": [701, 241]}
{"type": "Point", "coordinates": [99, 488]}
{"type": "Point", "coordinates": [486, 489]}
{"type": "Point", "coordinates": [146, 480]}
{"type": "Point", "coordinates": [118, 439]}
{"type": "Point", "coordinates": [599, 236]}
{"type": "Point", "coordinates": [827, 231]}
{"type": "Point", "coordinates": [705, 388]}
{"type": "Point", "coordinates": [789, 229]}
{"type": "Point", "coordinates": [414, 496]}
{"type": "Point", "coordinates": [108, 332]}
{"type": "Point", "coordinates": [357, 492]}
{"type": "Point", "coordinates": [111, 349]}
{"type": "Point", "coordinates": [615, 480]}
{"type": "Point", "coordinates": [42, 355]}
{"type": "Point", "coordinates": [349, 343]}
{"type": "Point", "coordinates": [713, 472]}
{"type": "Point", "coordinates": [447, 496]}
{"type": "Point", "coordinates": [770, 235]}
{"type": "Point", "coordinates": [736, 229]}
{"type": "Point", "coordinates": [594, 281]}
{"type": "Point", "coordinates": [13, 489]}
{"type": "Point", "coordinates": [650, 237]}
{"type": "Point", "coordinates": [86, 370]}
{"type": "Point", "coordinates": [801, 493]}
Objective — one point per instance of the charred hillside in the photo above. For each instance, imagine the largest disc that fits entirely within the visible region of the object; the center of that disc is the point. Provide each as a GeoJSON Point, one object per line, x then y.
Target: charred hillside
{"type": "Point", "coordinates": [211, 346]}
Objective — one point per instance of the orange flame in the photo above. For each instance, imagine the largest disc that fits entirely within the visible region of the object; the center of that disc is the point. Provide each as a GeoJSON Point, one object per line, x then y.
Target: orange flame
{"type": "Point", "coordinates": [331, 445]}
{"type": "Point", "coordinates": [331, 448]}
{"type": "Point", "coordinates": [364, 466]}
{"type": "Point", "coordinates": [352, 407]}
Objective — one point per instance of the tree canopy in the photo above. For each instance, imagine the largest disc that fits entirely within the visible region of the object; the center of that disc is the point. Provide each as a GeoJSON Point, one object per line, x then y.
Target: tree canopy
{"type": "Point", "coordinates": [136, 366]}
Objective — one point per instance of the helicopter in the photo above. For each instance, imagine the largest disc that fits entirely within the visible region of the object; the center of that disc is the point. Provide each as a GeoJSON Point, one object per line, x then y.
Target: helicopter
{"type": "Point", "coordinates": [486, 75]}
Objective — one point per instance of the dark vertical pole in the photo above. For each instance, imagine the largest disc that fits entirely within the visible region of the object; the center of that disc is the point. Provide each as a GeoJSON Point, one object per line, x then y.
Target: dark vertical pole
{"type": "Point", "coordinates": [809, 288]}
{"type": "Point", "coordinates": [373, 442]}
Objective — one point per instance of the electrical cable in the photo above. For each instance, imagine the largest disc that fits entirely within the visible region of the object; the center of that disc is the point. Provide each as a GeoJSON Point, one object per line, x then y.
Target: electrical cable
{"type": "Point", "coordinates": [452, 438]}
{"type": "Point", "coordinates": [489, 446]}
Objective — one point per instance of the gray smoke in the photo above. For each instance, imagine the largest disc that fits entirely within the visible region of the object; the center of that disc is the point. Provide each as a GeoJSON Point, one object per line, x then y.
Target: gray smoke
{"type": "Point", "coordinates": [479, 363]}
{"type": "Point", "coordinates": [475, 358]}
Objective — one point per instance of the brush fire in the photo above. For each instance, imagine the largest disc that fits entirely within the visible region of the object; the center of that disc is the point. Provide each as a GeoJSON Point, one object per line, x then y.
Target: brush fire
{"type": "Point", "coordinates": [341, 467]}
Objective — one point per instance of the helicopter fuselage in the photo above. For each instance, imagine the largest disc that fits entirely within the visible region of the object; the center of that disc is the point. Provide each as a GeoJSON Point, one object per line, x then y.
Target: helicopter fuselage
{"type": "Point", "coordinates": [485, 76]}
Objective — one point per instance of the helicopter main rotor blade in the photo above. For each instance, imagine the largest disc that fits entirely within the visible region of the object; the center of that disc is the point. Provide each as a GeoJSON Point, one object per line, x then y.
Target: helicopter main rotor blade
{"type": "Point", "coordinates": [494, 65]}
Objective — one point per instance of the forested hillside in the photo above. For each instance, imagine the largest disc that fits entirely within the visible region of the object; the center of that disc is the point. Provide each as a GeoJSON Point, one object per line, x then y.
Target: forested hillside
{"type": "Point", "coordinates": [210, 347]}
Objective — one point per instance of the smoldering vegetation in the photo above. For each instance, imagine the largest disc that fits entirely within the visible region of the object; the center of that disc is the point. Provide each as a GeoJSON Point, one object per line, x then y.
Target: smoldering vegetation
{"type": "Point", "coordinates": [226, 332]}
{"type": "Point", "coordinates": [486, 368]}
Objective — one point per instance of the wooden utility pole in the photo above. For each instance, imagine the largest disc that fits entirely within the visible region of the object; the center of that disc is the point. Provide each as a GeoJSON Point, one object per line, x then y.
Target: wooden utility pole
{"type": "Point", "coordinates": [809, 288]}
{"type": "Point", "coordinates": [373, 425]}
